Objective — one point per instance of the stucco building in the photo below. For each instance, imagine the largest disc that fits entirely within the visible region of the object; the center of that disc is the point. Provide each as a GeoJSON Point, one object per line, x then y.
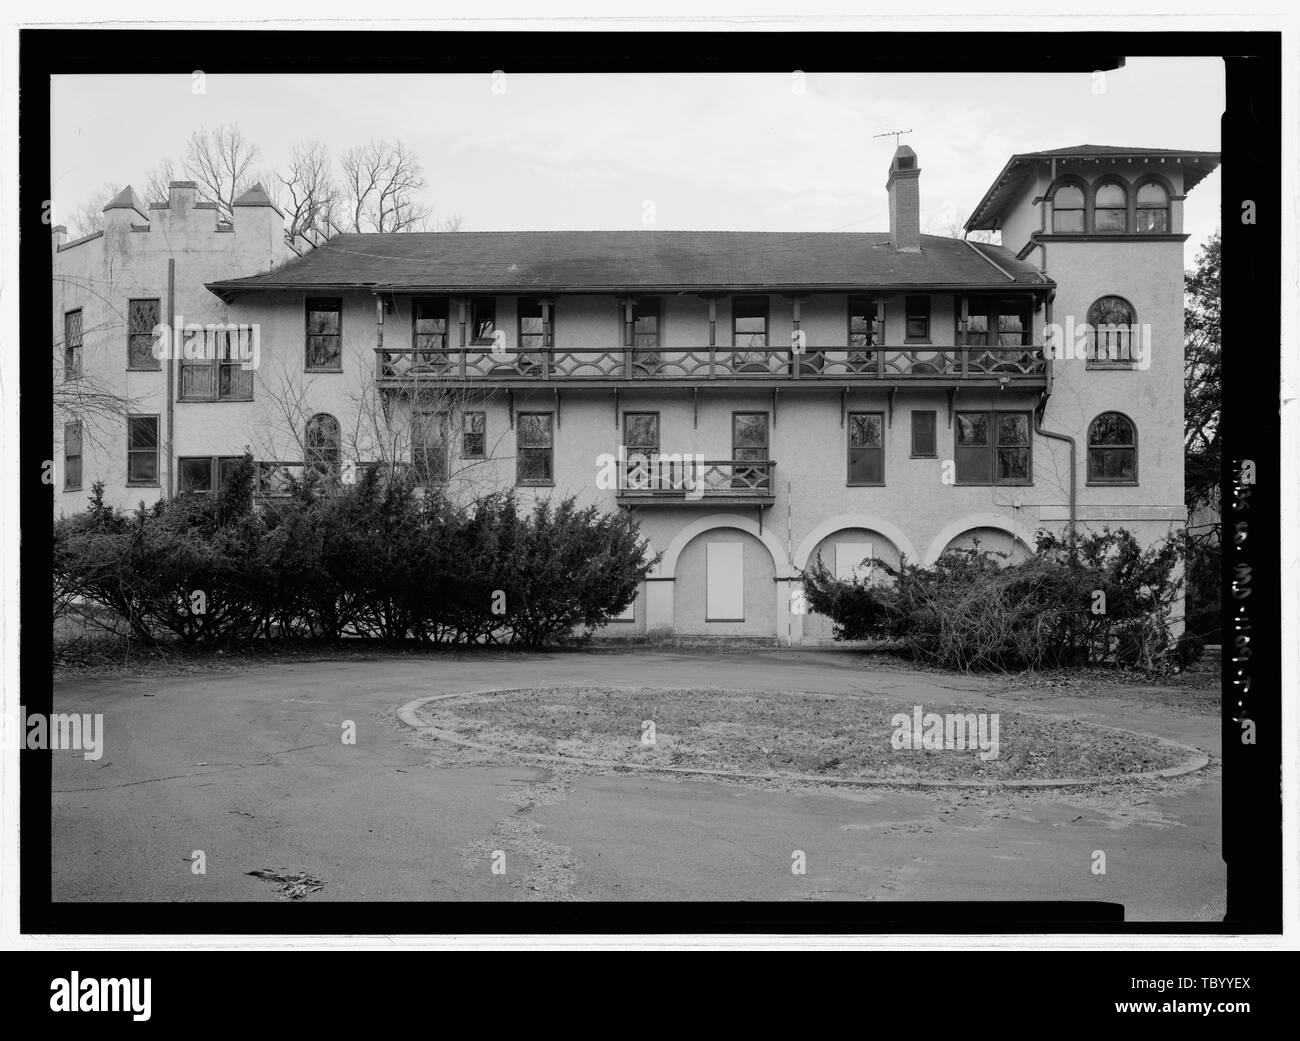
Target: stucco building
{"type": "Point", "coordinates": [756, 398]}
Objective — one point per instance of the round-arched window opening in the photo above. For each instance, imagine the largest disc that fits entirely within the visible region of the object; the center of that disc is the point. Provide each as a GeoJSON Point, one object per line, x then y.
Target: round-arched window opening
{"type": "Point", "coordinates": [1069, 209]}
{"type": "Point", "coordinates": [1110, 208]}
{"type": "Point", "coordinates": [1152, 209]}
{"type": "Point", "coordinates": [1112, 449]}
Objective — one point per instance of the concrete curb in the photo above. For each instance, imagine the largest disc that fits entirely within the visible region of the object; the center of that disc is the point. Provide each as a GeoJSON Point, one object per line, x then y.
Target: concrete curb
{"type": "Point", "coordinates": [409, 715]}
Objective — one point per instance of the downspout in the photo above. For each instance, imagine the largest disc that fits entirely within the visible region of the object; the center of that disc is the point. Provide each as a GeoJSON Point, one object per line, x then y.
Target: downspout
{"type": "Point", "coordinates": [1057, 436]}
{"type": "Point", "coordinates": [171, 371]}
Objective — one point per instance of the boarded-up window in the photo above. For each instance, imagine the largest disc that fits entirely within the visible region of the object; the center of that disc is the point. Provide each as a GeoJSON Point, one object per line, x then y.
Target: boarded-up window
{"type": "Point", "coordinates": [724, 583]}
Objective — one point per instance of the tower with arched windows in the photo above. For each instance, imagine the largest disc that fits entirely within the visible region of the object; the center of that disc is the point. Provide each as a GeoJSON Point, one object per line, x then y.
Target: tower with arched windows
{"type": "Point", "coordinates": [1105, 224]}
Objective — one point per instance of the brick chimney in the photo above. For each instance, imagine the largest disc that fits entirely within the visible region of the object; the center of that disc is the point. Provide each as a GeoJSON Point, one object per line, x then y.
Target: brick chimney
{"type": "Point", "coordinates": [904, 187]}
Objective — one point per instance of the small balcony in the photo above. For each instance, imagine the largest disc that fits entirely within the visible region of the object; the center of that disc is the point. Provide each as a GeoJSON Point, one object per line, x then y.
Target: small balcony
{"type": "Point", "coordinates": [684, 481]}
{"type": "Point", "coordinates": [1026, 366]}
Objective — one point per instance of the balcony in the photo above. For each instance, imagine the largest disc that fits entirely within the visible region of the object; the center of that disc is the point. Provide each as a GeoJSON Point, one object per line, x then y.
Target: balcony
{"type": "Point", "coordinates": [674, 481]}
{"type": "Point", "coordinates": [1024, 366]}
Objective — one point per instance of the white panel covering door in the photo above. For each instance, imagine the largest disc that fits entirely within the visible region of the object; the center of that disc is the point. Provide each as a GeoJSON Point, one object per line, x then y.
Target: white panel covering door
{"type": "Point", "coordinates": [724, 582]}
{"type": "Point", "coordinates": [851, 561]}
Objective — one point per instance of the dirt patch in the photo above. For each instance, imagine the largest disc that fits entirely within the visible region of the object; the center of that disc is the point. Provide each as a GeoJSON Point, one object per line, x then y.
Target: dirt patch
{"type": "Point", "coordinates": [785, 733]}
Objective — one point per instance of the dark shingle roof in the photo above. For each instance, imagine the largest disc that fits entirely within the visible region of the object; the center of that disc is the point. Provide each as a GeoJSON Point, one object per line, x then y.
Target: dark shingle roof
{"type": "Point", "coordinates": [1196, 167]}
{"type": "Point", "coordinates": [605, 261]}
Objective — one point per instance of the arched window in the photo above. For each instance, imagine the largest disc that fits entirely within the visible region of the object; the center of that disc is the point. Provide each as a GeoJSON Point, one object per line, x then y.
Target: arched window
{"type": "Point", "coordinates": [323, 454]}
{"type": "Point", "coordinates": [1069, 208]}
{"type": "Point", "coordinates": [1112, 450]}
{"type": "Point", "coordinates": [1152, 208]}
{"type": "Point", "coordinates": [1110, 208]}
{"type": "Point", "coordinates": [1111, 321]}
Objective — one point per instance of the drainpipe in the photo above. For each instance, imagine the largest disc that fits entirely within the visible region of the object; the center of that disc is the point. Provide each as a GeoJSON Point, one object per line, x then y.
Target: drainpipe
{"type": "Point", "coordinates": [1056, 436]}
{"type": "Point", "coordinates": [171, 371]}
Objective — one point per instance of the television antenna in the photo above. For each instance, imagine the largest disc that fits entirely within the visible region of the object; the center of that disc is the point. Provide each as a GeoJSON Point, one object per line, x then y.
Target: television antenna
{"type": "Point", "coordinates": [895, 134]}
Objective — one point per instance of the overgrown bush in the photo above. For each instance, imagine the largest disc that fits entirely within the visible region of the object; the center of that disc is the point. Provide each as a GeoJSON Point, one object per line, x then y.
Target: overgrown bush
{"type": "Point", "coordinates": [375, 560]}
{"type": "Point", "coordinates": [1103, 599]}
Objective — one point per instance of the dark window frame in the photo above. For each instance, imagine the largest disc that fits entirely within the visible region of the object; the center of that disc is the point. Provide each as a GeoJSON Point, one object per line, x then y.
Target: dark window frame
{"type": "Point", "coordinates": [766, 316]}
{"type": "Point", "coordinates": [421, 463]}
{"type": "Point", "coordinates": [308, 310]}
{"type": "Point", "coordinates": [465, 453]}
{"type": "Point", "coordinates": [333, 467]}
{"type": "Point", "coordinates": [934, 434]}
{"type": "Point", "coordinates": [547, 317]}
{"type": "Point", "coordinates": [1096, 358]}
{"type": "Point", "coordinates": [1145, 181]}
{"type": "Point", "coordinates": [423, 354]}
{"type": "Point", "coordinates": [217, 365]}
{"type": "Point", "coordinates": [850, 448]}
{"type": "Point", "coordinates": [1084, 209]}
{"type": "Point", "coordinates": [909, 315]}
{"type": "Point", "coordinates": [992, 447]}
{"type": "Point", "coordinates": [154, 363]}
{"type": "Point", "coordinates": [69, 429]}
{"type": "Point", "coordinates": [1103, 482]}
{"type": "Point", "coordinates": [472, 308]}
{"type": "Point", "coordinates": [520, 481]}
{"type": "Point", "coordinates": [131, 419]}
{"type": "Point", "coordinates": [216, 480]}
{"type": "Point", "coordinates": [73, 352]}
{"type": "Point", "coordinates": [1127, 208]}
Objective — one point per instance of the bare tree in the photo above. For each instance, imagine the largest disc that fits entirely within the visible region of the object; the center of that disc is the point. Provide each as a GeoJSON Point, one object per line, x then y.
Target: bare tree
{"type": "Point", "coordinates": [158, 181]}
{"type": "Point", "coordinates": [89, 216]}
{"type": "Point", "coordinates": [382, 183]}
{"type": "Point", "coordinates": [308, 191]}
{"type": "Point", "coordinates": [221, 162]}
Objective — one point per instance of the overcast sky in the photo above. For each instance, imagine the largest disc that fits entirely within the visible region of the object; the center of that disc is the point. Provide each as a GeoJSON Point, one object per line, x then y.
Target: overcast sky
{"type": "Point", "coordinates": [725, 152]}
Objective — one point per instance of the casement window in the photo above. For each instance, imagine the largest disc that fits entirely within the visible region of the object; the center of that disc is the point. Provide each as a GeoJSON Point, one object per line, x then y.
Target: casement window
{"type": "Point", "coordinates": [142, 450]}
{"type": "Point", "coordinates": [993, 448]}
{"type": "Point", "coordinates": [865, 333]}
{"type": "Point", "coordinates": [322, 445]}
{"type": "Point", "coordinates": [214, 369]}
{"type": "Point", "coordinates": [141, 317]}
{"type": "Point", "coordinates": [482, 321]}
{"type": "Point", "coordinates": [473, 435]}
{"type": "Point", "coordinates": [204, 474]}
{"type": "Point", "coordinates": [1069, 209]}
{"type": "Point", "coordinates": [72, 456]}
{"type": "Point", "coordinates": [72, 334]}
{"type": "Point", "coordinates": [324, 334]}
{"type": "Point", "coordinates": [536, 325]}
{"type": "Point", "coordinates": [999, 321]}
{"type": "Point", "coordinates": [1110, 208]}
{"type": "Point", "coordinates": [429, 321]}
{"type": "Point", "coordinates": [924, 425]}
{"type": "Point", "coordinates": [749, 451]}
{"type": "Point", "coordinates": [1112, 450]}
{"type": "Point", "coordinates": [917, 310]}
{"type": "Point", "coordinates": [534, 449]}
{"type": "Point", "coordinates": [1111, 321]}
{"type": "Point", "coordinates": [429, 447]}
{"type": "Point", "coordinates": [641, 440]}
{"type": "Point", "coordinates": [1152, 209]}
{"type": "Point", "coordinates": [749, 321]}
{"type": "Point", "coordinates": [866, 448]}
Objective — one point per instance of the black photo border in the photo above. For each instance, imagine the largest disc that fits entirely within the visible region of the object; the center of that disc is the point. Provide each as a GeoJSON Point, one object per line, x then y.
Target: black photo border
{"type": "Point", "coordinates": [1251, 147]}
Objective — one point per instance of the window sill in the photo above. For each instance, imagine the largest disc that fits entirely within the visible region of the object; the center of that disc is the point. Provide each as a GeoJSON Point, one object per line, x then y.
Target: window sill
{"type": "Point", "coordinates": [337, 369]}
{"type": "Point", "coordinates": [1110, 484]}
{"type": "Point", "coordinates": [72, 488]}
{"type": "Point", "coordinates": [934, 455]}
{"type": "Point", "coordinates": [143, 484]}
{"type": "Point", "coordinates": [213, 401]}
{"type": "Point", "coordinates": [534, 484]}
{"type": "Point", "coordinates": [139, 368]}
{"type": "Point", "coordinates": [991, 484]}
{"type": "Point", "coordinates": [864, 484]}
{"type": "Point", "coordinates": [918, 343]}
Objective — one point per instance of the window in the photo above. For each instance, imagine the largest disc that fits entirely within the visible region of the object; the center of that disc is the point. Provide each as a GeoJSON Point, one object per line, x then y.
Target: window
{"type": "Point", "coordinates": [641, 439]}
{"type": "Point", "coordinates": [473, 435]}
{"type": "Point", "coordinates": [200, 475]}
{"type": "Point", "coordinates": [429, 331]}
{"type": "Point", "coordinates": [429, 444]}
{"type": "Point", "coordinates": [1111, 321]}
{"type": "Point", "coordinates": [918, 318]}
{"type": "Point", "coordinates": [142, 450]}
{"type": "Point", "coordinates": [923, 435]}
{"type": "Point", "coordinates": [993, 448]}
{"type": "Point", "coordinates": [641, 331]}
{"type": "Point", "coordinates": [864, 332]}
{"type": "Point", "coordinates": [482, 321]}
{"type": "Point", "coordinates": [213, 370]}
{"type": "Point", "coordinates": [866, 448]}
{"type": "Point", "coordinates": [72, 344]}
{"type": "Point", "coordinates": [749, 448]}
{"type": "Point", "coordinates": [324, 455]}
{"type": "Point", "coordinates": [1110, 208]}
{"type": "Point", "coordinates": [999, 321]}
{"type": "Point", "coordinates": [535, 326]}
{"type": "Point", "coordinates": [1068, 209]}
{"type": "Point", "coordinates": [325, 333]}
{"type": "Point", "coordinates": [142, 316]}
{"type": "Point", "coordinates": [1152, 208]}
{"type": "Point", "coordinates": [72, 456]}
{"type": "Point", "coordinates": [534, 449]}
{"type": "Point", "coordinates": [1112, 450]}
{"type": "Point", "coordinates": [749, 321]}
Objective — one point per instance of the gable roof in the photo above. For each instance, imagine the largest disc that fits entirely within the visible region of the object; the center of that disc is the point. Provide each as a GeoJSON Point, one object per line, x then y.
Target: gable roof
{"type": "Point", "coordinates": [620, 261]}
{"type": "Point", "coordinates": [1196, 167]}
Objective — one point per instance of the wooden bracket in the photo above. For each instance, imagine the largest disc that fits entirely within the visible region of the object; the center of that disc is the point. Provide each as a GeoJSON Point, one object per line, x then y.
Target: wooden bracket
{"type": "Point", "coordinates": [844, 399]}
{"type": "Point", "coordinates": [952, 397]}
{"type": "Point", "coordinates": [775, 391]}
{"type": "Point", "coordinates": [695, 391]}
{"type": "Point", "coordinates": [557, 408]}
{"type": "Point", "coordinates": [615, 408]}
{"type": "Point", "coordinates": [892, 391]}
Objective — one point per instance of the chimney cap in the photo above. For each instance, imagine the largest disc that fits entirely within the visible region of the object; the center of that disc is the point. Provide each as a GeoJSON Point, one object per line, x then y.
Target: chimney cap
{"type": "Point", "coordinates": [904, 159]}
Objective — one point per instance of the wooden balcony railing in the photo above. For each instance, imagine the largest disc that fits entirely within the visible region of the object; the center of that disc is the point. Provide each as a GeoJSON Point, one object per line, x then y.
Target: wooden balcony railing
{"type": "Point", "coordinates": [399, 366]}
{"type": "Point", "coordinates": [684, 479]}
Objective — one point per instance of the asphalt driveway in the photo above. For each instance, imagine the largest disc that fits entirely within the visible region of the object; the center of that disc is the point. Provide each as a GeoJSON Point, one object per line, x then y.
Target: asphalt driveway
{"type": "Point", "coordinates": [249, 767]}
